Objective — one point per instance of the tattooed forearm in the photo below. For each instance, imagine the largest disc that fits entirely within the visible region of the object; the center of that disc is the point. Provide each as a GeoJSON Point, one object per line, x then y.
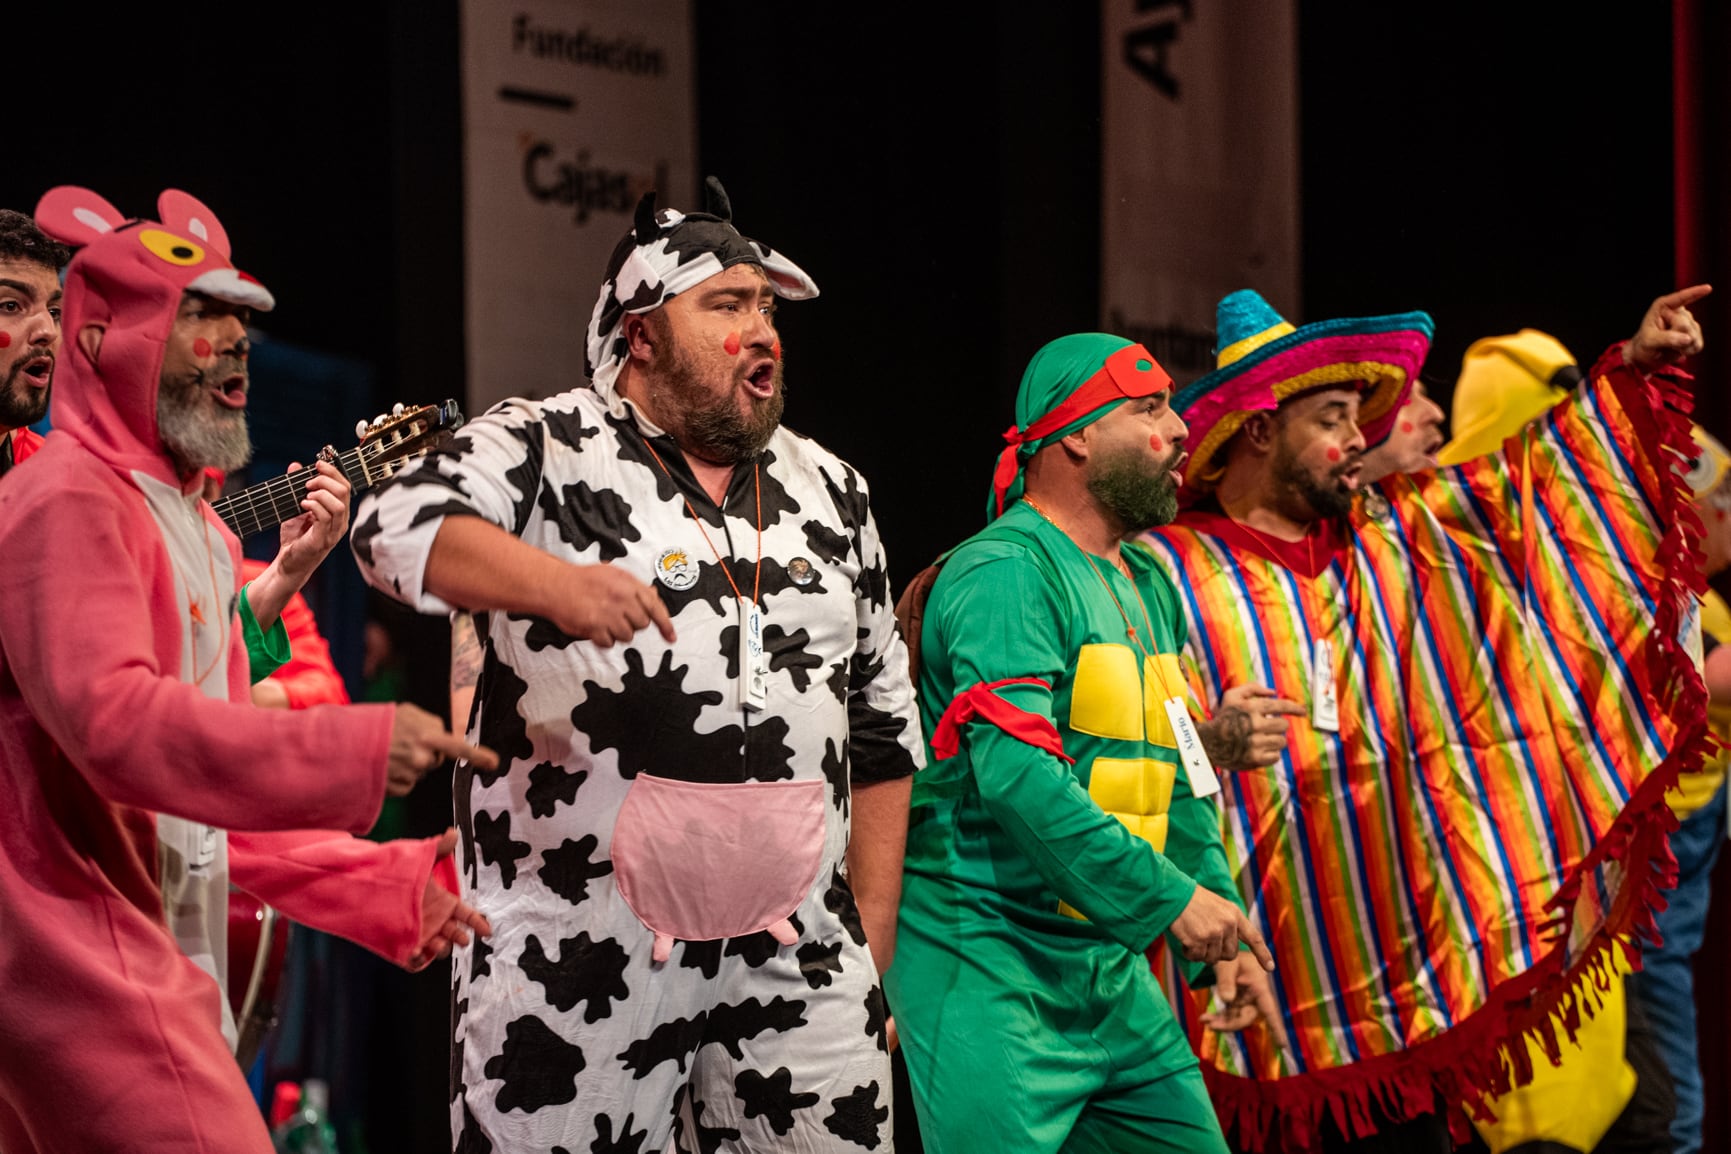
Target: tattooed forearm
{"type": "Point", "coordinates": [1226, 738]}
{"type": "Point", "coordinates": [466, 653]}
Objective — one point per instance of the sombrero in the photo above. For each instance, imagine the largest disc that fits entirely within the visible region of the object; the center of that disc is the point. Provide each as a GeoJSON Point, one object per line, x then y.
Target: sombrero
{"type": "Point", "coordinates": [1261, 360]}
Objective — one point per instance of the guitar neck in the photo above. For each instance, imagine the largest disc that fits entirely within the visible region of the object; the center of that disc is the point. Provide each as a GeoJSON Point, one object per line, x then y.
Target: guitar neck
{"type": "Point", "coordinates": [270, 503]}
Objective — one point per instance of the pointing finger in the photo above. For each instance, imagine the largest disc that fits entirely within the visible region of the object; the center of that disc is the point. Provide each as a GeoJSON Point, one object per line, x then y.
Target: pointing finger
{"type": "Point", "coordinates": [1684, 296]}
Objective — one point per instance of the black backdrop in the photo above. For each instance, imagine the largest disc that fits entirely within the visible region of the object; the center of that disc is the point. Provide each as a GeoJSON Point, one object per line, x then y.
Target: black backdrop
{"type": "Point", "coordinates": [935, 167]}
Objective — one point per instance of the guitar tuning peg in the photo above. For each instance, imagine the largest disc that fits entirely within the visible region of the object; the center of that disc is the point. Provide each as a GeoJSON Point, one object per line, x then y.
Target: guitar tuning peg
{"type": "Point", "coordinates": [397, 409]}
{"type": "Point", "coordinates": [361, 427]}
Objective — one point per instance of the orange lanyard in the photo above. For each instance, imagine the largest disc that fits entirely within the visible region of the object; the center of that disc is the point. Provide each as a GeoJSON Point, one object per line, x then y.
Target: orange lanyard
{"type": "Point", "coordinates": [1129, 629]}
{"type": "Point", "coordinates": [757, 483]}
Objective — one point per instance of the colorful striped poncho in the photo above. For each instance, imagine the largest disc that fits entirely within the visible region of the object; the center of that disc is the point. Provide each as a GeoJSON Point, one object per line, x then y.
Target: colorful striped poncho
{"type": "Point", "coordinates": [1513, 703]}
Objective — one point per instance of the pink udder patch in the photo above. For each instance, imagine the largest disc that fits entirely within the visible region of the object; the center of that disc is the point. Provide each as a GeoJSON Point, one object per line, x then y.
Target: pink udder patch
{"type": "Point", "coordinates": [201, 347]}
{"type": "Point", "coordinates": [1334, 454]}
{"type": "Point", "coordinates": [5, 340]}
{"type": "Point", "coordinates": [731, 344]}
{"type": "Point", "coordinates": [1406, 426]}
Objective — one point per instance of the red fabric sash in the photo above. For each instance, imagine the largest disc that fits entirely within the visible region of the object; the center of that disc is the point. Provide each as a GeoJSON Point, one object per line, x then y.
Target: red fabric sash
{"type": "Point", "coordinates": [982, 704]}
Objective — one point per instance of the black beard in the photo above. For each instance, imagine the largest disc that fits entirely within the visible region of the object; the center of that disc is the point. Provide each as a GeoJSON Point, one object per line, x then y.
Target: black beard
{"type": "Point", "coordinates": [1139, 497]}
{"type": "Point", "coordinates": [1328, 499]}
{"type": "Point", "coordinates": [712, 428]}
{"type": "Point", "coordinates": [196, 433]}
{"type": "Point", "coordinates": [21, 404]}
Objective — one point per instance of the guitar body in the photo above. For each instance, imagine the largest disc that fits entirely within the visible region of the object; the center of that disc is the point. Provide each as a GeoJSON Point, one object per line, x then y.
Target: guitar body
{"type": "Point", "coordinates": [258, 939]}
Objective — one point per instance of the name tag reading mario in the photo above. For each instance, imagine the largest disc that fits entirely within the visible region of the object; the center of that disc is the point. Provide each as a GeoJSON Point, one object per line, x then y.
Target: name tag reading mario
{"type": "Point", "coordinates": [753, 665]}
{"type": "Point", "coordinates": [1198, 770]}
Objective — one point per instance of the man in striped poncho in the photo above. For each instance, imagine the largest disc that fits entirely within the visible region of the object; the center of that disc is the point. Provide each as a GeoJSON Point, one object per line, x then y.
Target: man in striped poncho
{"type": "Point", "coordinates": [1494, 697]}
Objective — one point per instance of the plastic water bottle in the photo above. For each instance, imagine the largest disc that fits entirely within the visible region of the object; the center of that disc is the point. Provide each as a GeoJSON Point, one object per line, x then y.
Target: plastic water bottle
{"type": "Point", "coordinates": [308, 1130]}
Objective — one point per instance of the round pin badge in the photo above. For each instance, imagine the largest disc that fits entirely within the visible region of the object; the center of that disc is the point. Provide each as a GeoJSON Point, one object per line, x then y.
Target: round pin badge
{"type": "Point", "coordinates": [675, 569]}
{"type": "Point", "coordinates": [800, 571]}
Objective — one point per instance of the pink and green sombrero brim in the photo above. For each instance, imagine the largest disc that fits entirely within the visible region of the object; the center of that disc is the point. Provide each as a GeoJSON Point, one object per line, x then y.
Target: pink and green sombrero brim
{"type": "Point", "coordinates": [1263, 360]}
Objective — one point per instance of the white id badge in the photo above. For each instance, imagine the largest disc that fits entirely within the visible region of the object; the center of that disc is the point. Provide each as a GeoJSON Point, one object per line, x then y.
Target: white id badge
{"type": "Point", "coordinates": [1197, 768]}
{"type": "Point", "coordinates": [1324, 706]}
{"type": "Point", "coordinates": [753, 667]}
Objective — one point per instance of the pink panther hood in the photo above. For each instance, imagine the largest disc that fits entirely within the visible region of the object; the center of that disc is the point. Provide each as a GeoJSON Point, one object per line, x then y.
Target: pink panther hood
{"type": "Point", "coordinates": [127, 279]}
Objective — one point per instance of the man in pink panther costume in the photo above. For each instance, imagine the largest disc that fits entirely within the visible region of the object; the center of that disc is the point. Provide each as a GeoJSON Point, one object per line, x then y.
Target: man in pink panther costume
{"type": "Point", "coordinates": [128, 744]}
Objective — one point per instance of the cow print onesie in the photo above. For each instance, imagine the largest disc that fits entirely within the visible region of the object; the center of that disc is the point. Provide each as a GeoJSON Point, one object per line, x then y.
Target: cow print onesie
{"type": "Point", "coordinates": [569, 1033]}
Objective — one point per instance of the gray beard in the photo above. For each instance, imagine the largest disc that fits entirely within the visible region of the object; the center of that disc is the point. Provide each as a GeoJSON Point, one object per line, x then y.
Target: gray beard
{"type": "Point", "coordinates": [196, 433]}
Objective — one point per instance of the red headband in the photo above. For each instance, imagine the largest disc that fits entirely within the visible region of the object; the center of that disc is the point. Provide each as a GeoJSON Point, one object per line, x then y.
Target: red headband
{"type": "Point", "coordinates": [1130, 372]}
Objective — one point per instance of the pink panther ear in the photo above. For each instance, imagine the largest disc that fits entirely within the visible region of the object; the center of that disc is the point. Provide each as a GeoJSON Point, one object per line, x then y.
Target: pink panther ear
{"type": "Point", "coordinates": [184, 213]}
{"type": "Point", "coordinates": [76, 216]}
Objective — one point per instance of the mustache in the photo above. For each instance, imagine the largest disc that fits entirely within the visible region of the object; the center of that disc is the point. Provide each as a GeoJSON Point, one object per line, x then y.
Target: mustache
{"type": "Point", "coordinates": [226, 366]}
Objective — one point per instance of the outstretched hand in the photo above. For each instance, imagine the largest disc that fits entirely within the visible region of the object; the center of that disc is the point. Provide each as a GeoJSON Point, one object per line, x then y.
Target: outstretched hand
{"type": "Point", "coordinates": [1669, 332]}
{"type": "Point", "coordinates": [1210, 929]}
{"type": "Point", "coordinates": [419, 741]}
{"type": "Point", "coordinates": [455, 927]}
{"type": "Point", "coordinates": [1246, 996]}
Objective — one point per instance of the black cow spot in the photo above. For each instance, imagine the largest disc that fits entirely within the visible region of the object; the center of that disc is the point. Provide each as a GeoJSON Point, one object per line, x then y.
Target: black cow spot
{"type": "Point", "coordinates": [463, 811]}
{"type": "Point", "coordinates": [767, 756]}
{"type": "Point", "coordinates": [587, 971]}
{"type": "Point", "coordinates": [817, 962]}
{"type": "Point", "coordinates": [472, 1140]}
{"type": "Point", "coordinates": [451, 508]}
{"type": "Point", "coordinates": [876, 1013]}
{"type": "Point", "coordinates": [788, 651]}
{"type": "Point", "coordinates": [586, 516]}
{"type": "Point", "coordinates": [550, 784]}
{"type": "Point", "coordinates": [626, 1143]}
{"type": "Point", "coordinates": [838, 681]}
{"type": "Point", "coordinates": [568, 427]}
{"type": "Point", "coordinates": [480, 959]}
{"type": "Point", "coordinates": [361, 538]}
{"type": "Point", "coordinates": [852, 504]}
{"type": "Point", "coordinates": [542, 633]}
{"type": "Point", "coordinates": [730, 650]}
{"type": "Point", "coordinates": [873, 584]}
{"type": "Point", "coordinates": [771, 1098]}
{"type": "Point", "coordinates": [874, 751]}
{"type": "Point", "coordinates": [711, 587]}
{"type": "Point", "coordinates": [432, 473]}
{"type": "Point", "coordinates": [526, 476]}
{"type": "Point", "coordinates": [537, 1066]}
{"type": "Point", "coordinates": [776, 499]}
{"type": "Point", "coordinates": [826, 542]}
{"type": "Point", "coordinates": [502, 728]}
{"type": "Point", "coordinates": [635, 450]}
{"type": "Point", "coordinates": [493, 838]}
{"type": "Point", "coordinates": [857, 1116]}
{"type": "Point", "coordinates": [838, 900]}
{"type": "Point", "coordinates": [834, 767]}
{"type": "Point", "coordinates": [709, 1139]}
{"type": "Point", "coordinates": [704, 956]}
{"type": "Point", "coordinates": [668, 1042]}
{"type": "Point", "coordinates": [758, 948]}
{"type": "Point", "coordinates": [652, 721]}
{"type": "Point", "coordinates": [568, 869]}
{"type": "Point", "coordinates": [458, 1009]}
{"type": "Point", "coordinates": [733, 1023]}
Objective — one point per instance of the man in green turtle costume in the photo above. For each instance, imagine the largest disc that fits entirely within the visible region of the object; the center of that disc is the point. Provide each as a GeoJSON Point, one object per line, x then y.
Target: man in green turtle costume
{"type": "Point", "coordinates": [1063, 824]}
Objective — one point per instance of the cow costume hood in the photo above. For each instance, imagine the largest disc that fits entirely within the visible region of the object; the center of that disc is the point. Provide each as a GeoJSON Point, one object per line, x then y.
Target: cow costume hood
{"type": "Point", "coordinates": [127, 279]}
{"type": "Point", "coordinates": [667, 253]}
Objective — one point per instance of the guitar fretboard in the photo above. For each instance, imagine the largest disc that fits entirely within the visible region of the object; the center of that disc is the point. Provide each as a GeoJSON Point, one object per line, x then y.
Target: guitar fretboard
{"type": "Point", "coordinates": [270, 503]}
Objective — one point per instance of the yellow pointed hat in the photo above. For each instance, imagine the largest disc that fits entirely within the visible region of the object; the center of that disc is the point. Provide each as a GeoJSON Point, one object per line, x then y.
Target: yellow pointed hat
{"type": "Point", "coordinates": [1505, 383]}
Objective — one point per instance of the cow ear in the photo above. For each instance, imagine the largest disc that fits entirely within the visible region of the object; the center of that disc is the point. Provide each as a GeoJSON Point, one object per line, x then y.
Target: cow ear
{"type": "Point", "coordinates": [644, 224]}
{"type": "Point", "coordinates": [76, 216]}
{"type": "Point", "coordinates": [184, 213]}
{"type": "Point", "coordinates": [715, 201]}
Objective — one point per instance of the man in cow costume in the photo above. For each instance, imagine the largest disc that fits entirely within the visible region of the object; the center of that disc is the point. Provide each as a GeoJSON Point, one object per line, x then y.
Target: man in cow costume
{"type": "Point", "coordinates": [128, 742]}
{"type": "Point", "coordinates": [664, 852]}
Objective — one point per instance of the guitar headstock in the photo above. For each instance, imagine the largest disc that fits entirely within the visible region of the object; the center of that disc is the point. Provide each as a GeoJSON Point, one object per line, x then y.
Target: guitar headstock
{"type": "Point", "coordinates": [392, 439]}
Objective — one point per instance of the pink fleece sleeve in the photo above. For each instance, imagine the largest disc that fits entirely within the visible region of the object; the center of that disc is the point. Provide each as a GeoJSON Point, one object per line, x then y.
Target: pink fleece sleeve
{"type": "Point", "coordinates": [375, 894]}
{"type": "Point", "coordinates": [82, 625]}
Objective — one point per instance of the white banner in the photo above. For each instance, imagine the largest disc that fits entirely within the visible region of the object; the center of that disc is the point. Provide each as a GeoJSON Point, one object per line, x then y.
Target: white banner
{"type": "Point", "coordinates": [1200, 168]}
{"type": "Point", "coordinates": [572, 109]}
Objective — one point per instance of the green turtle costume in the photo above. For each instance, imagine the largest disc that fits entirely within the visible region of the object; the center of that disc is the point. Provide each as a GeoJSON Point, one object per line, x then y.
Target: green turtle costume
{"type": "Point", "coordinates": [1055, 834]}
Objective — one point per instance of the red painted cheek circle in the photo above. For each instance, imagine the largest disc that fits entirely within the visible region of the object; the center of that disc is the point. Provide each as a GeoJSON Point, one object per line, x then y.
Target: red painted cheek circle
{"type": "Point", "coordinates": [775, 350]}
{"type": "Point", "coordinates": [1334, 454]}
{"type": "Point", "coordinates": [1157, 443]}
{"type": "Point", "coordinates": [201, 347]}
{"type": "Point", "coordinates": [1406, 426]}
{"type": "Point", "coordinates": [731, 344]}
{"type": "Point", "coordinates": [5, 340]}
{"type": "Point", "coordinates": [1718, 514]}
